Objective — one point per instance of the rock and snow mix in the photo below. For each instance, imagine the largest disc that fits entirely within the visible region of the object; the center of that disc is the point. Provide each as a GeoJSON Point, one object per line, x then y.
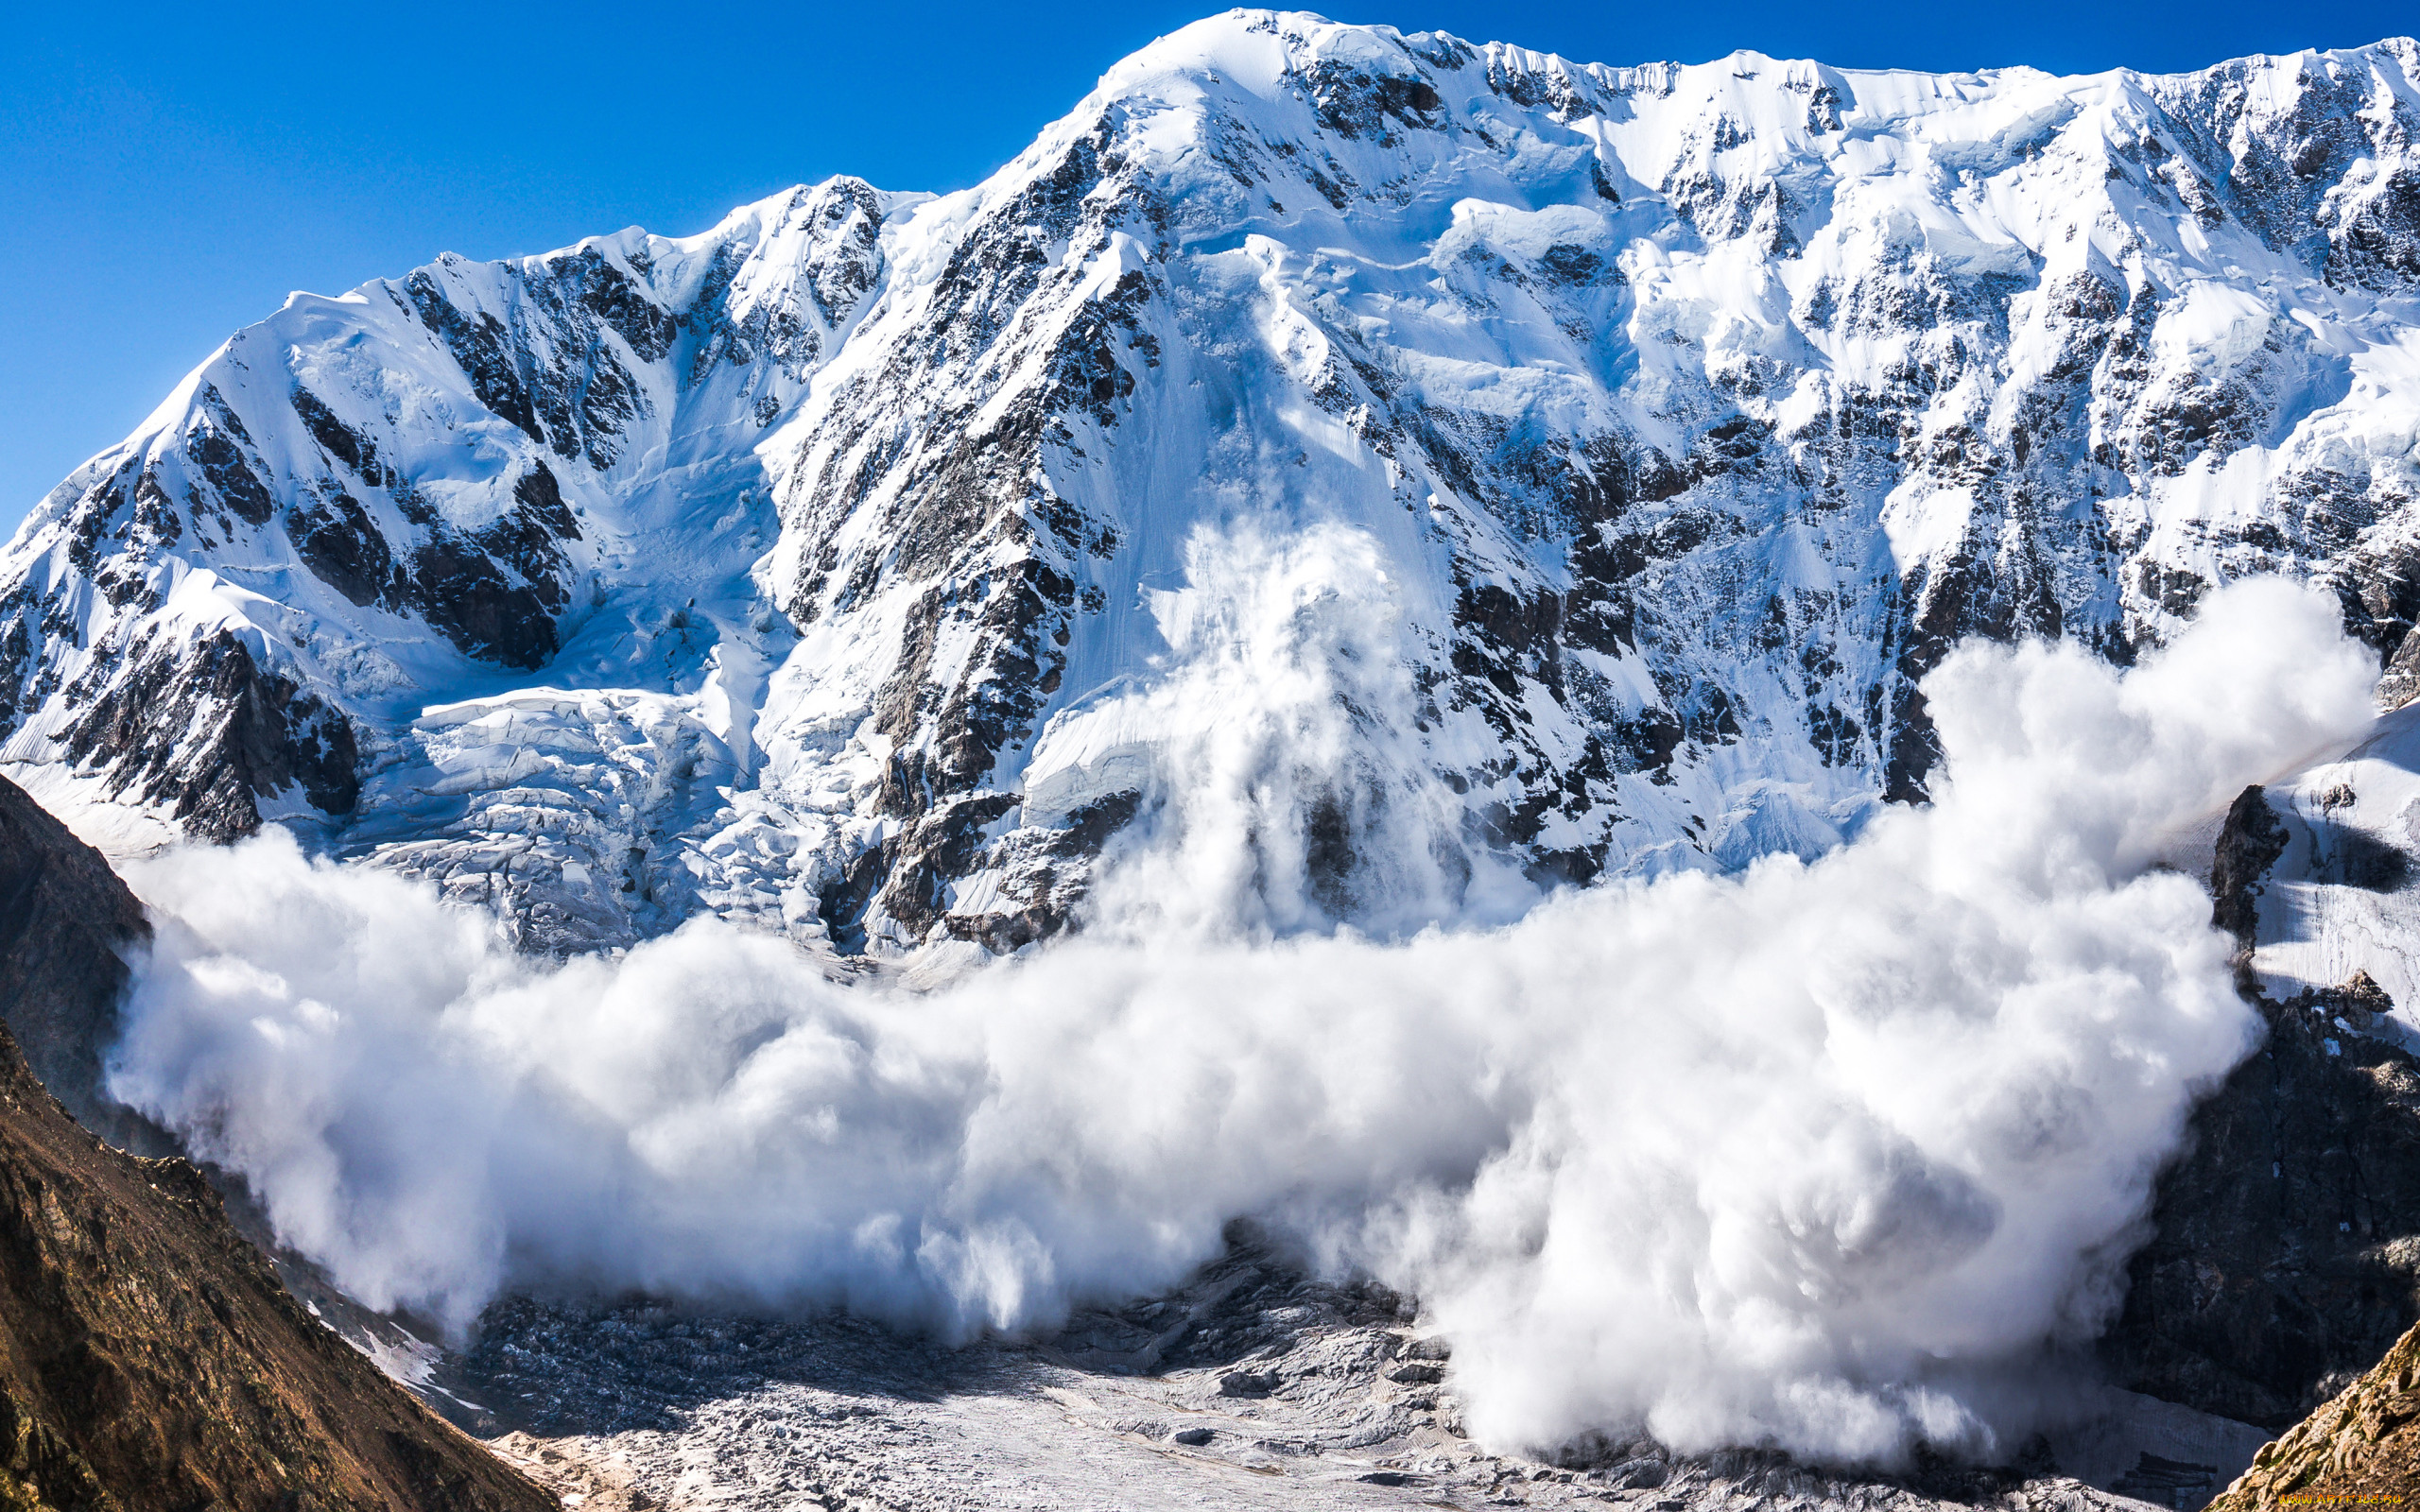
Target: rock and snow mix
{"type": "Point", "coordinates": [821, 569]}
{"type": "Point", "coordinates": [1332, 492]}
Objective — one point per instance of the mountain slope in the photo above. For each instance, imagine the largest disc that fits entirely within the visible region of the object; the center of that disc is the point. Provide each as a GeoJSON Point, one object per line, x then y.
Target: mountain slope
{"type": "Point", "coordinates": [2364, 1446]}
{"type": "Point", "coordinates": [148, 1356]}
{"type": "Point", "coordinates": [66, 925]}
{"type": "Point", "coordinates": [1478, 470]}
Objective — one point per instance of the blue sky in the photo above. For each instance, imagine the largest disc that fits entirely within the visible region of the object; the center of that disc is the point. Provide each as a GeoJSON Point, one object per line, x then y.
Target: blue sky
{"type": "Point", "coordinates": [167, 173]}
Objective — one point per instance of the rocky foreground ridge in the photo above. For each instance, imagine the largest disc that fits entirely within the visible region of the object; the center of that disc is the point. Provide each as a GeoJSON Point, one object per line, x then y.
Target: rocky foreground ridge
{"type": "Point", "coordinates": [150, 1360]}
{"type": "Point", "coordinates": [2360, 1450]}
{"type": "Point", "coordinates": [1629, 440]}
{"type": "Point", "coordinates": [67, 925]}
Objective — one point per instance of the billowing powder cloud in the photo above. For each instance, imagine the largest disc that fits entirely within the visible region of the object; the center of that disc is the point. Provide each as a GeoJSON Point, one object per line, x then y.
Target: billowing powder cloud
{"type": "Point", "coordinates": [1822, 1155]}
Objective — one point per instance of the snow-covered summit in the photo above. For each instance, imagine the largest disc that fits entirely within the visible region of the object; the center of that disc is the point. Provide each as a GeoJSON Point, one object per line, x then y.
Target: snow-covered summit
{"type": "Point", "coordinates": [1474, 470]}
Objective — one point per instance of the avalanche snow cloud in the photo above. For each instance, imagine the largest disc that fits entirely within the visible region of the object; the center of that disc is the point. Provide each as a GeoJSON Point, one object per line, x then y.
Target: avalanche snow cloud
{"type": "Point", "coordinates": [1827, 1153]}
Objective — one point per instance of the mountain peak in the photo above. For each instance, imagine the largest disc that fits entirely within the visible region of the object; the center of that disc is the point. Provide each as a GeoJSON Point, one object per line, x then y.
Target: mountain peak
{"type": "Point", "coordinates": [832, 568]}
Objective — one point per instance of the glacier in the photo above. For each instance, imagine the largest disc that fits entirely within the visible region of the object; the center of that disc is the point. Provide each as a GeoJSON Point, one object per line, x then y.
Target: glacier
{"type": "Point", "coordinates": [1613, 451]}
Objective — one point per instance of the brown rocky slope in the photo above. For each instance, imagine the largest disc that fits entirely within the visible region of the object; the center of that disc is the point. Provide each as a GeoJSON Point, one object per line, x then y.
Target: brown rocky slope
{"type": "Point", "coordinates": [2362, 1448]}
{"type": "Point", "coordinates": [150, 1358]}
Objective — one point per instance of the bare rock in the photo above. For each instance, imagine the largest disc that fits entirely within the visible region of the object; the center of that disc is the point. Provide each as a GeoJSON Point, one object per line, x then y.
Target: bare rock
{"type": "Point", "coordinates": [2362, 1448]}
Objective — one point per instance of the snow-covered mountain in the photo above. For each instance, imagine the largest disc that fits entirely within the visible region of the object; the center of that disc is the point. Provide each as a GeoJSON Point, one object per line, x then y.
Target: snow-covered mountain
{"type": "Point", "coordinates": [1607, 450]}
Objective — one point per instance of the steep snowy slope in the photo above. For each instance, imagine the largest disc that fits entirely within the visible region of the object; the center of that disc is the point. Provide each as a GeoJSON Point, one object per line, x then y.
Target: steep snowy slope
{"type": "Point", "coordinates": [1449, 470]}
{"type": "Point", "coordinates": [459, 482]}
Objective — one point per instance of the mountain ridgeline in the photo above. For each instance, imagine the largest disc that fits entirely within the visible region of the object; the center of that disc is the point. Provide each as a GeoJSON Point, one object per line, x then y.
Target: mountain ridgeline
{"type": "Point", "coordinates": [803, 571]}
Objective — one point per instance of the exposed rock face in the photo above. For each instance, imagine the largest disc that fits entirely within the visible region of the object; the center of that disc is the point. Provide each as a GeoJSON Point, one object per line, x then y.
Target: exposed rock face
{"type": "Point", "coordinates": [2249, 842]}
{"type": "Point", "coordinates": [2363, 1446]}
{"type": "Point", "coordinates": [66, 923]}
{"type": "Point", "coordinates": [806, 570]}
{"type": "Point", "coordinates": [2287, 1251]}
{"type": "Point", "coordinates": [149, 1357]}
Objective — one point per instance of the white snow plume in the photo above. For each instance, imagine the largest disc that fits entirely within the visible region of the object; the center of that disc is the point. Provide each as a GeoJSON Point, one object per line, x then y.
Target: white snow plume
{"type": "Point", "coordinates": [1280, 755]}
{"type": "Point", "coordinates": [1823, 1155]}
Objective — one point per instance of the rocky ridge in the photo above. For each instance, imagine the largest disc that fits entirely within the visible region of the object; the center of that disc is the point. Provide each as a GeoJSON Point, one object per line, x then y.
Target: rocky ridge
{"type": "Point", "coordinates": [67, 927]}
{"type": "Point", "coordinates": [150, 1359]}
{"type": "Point", "coordinates": [819, 570]}
{"type": "Point", "coordinates": [2285, 1257]}
{"type": "Point", "coordinates": [2363, 1447]}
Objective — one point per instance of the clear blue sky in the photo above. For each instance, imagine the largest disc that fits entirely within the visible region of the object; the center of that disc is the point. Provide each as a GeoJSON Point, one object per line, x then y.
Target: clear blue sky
{"type": "Point", "coordinates": [167, 172]}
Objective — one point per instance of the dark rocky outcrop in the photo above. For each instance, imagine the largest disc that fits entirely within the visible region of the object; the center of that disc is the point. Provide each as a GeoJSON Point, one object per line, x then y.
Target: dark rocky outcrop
{"type": "Point", "coordinates": [2287, 1251]}
{"type": "Point", "coordinates": [202, 730]}
{"type": "Point", "coordinates": [150, 1358]}
{"type": "Point", "coordinates": [2286, 1256]}
{"type": "Point", "coordinates": [2248, 844]}
{"type": "Point", "coordinates": [65, 922]}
